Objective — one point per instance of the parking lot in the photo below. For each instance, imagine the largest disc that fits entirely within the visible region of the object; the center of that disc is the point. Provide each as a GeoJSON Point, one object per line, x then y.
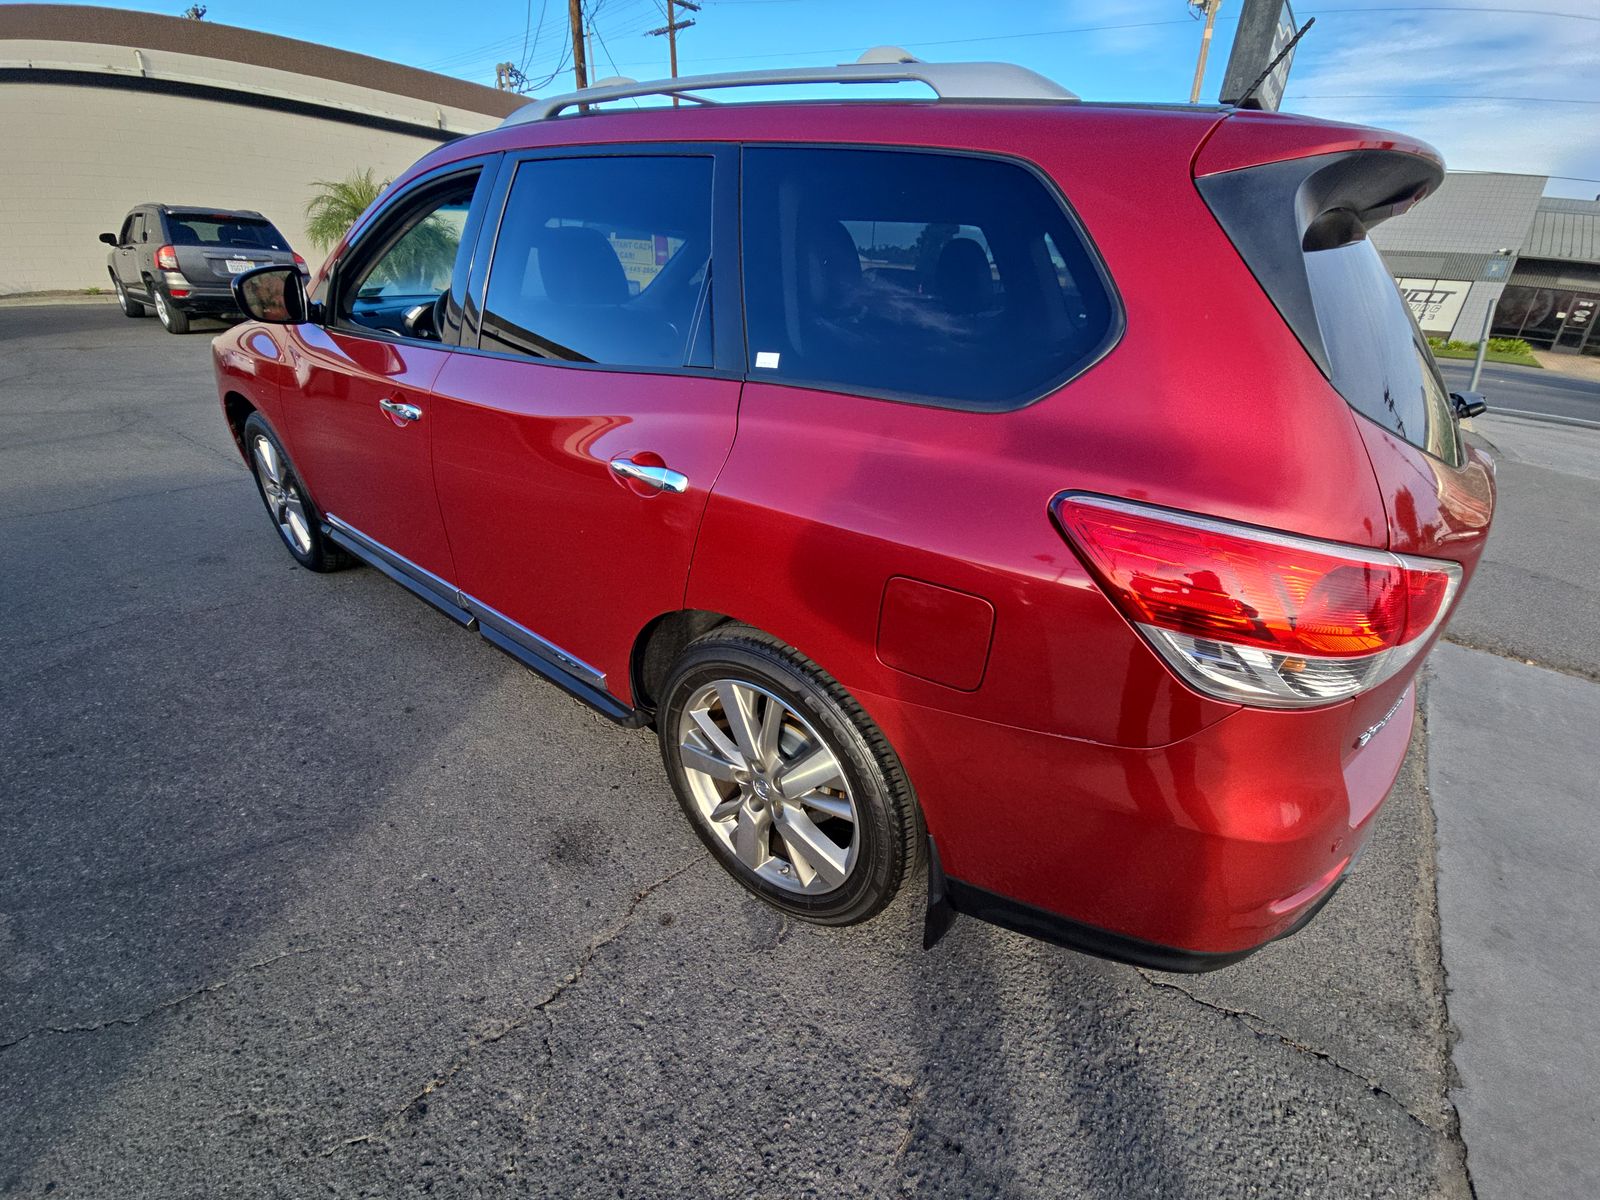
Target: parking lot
{"type": "Point", "coordinates": [303, 892]}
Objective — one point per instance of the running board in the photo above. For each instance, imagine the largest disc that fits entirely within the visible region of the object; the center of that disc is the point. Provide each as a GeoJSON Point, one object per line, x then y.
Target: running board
{"type": "Point", "coordinates": [549, 662]}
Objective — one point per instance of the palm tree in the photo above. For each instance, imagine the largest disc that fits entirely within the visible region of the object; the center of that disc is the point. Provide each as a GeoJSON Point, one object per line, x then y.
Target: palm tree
{"type": "Point", "coordinates": [337, 204]}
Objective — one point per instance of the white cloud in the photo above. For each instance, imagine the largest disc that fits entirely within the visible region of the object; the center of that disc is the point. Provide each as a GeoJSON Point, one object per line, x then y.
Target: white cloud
{"type": "Point", "coordinates": [1395, 69]}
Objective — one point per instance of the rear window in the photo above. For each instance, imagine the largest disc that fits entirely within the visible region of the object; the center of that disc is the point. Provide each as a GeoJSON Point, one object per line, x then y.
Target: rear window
{"type": "Point", "coordinates": [938, 278]}
{"type": "Point", "coordinates": [224, 231]}
{"type": "Point", "coordinates": [1378, 359]}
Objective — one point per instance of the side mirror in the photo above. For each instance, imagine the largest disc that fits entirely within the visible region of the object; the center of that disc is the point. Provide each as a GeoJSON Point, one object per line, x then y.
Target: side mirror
{"type": "Point", "coordinates": [109, 239]}
{"type": "Point", "coordinates": [276, 295]}
{"type": "Point", "coordinates": [1468, 404]}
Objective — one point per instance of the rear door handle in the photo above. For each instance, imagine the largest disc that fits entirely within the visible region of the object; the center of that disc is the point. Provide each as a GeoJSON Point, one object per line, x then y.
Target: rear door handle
{"type": "Point", "coordinates": [400, 410]}
{"type": "Point", "coordinates": [663, 479]}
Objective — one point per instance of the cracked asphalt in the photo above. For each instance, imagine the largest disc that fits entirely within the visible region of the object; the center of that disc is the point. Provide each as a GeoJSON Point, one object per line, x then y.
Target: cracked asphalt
{"type": "Point", "coordinates": [303, 891]}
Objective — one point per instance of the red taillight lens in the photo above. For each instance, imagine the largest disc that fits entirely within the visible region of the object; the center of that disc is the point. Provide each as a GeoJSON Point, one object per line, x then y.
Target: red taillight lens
{"type": "Point", "coordinates": [167, 258]}
{"type": "Point", "coordinates": [1256, 616]}
{"type": "Point", "coordinates": [301, 263]}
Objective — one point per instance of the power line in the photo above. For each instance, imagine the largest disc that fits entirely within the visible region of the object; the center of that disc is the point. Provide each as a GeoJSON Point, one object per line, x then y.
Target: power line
{"type": "Point", "coordinates": [1185, 21]}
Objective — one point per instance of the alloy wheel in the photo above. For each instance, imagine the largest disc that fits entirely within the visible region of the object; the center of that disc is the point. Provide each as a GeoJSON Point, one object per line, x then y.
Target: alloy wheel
{"type": "Point", "coordinates": [161, 307]}
{"type": "Point", "coordinates": [282, 494]}
{"type": "Point", "coordinates": [769, 787]}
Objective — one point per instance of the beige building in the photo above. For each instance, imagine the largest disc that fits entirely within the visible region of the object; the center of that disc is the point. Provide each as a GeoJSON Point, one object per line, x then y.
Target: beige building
{"type": "Point", "coordinates": [102, 109]}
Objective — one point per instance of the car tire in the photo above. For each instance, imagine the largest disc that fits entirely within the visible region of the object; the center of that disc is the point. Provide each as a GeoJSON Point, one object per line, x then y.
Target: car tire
{"type": "Point", "coordinates": [296, 519]}
{"type": "Point", "coordinates": [130, 306]}
{"type": "Point", "coordinates": [173, 319]}
{"type": "Point", "coordinates": [806, 805]}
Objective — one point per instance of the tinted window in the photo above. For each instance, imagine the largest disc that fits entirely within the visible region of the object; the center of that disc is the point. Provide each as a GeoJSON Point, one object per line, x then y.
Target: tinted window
{"type": "Point", "coordinates": [399, 274]}
{"type": "Point", "coordinates": [604, 260]}
{"type": "Point", "coordinates": [130, 230]}
{"type": "Point", "coordinates": [943, 278]}
{"type": "Point", "coordinates": [248, 232]}
{"type": "Point", "coordinates": [1379, 361]}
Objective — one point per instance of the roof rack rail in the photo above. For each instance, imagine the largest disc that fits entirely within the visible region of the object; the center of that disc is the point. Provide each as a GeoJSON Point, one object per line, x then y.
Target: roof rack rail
{"type": "Point", "coordinates": [883, 64]}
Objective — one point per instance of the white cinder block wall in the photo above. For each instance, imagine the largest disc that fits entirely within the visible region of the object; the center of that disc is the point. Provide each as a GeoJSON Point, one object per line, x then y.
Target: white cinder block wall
{"type": "Point", "coordinates": [75, 156]}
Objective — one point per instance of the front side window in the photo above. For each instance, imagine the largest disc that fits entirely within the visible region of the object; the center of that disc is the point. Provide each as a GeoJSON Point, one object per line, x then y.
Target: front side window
{"type": "Point", "coordinates": [604, 260]}
{"type": "Point", "coordinates": [940, 278]}
{"type": "Point", "coordinates": [129, 233]}
{"type": "Point", "coordinates": [400, 276]}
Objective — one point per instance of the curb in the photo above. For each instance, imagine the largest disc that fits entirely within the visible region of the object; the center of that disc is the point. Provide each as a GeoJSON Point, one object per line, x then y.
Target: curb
{"type": "Point", "coordinates": [1542, 418]}
{"type": "Point", "coordinates": [55, 301]}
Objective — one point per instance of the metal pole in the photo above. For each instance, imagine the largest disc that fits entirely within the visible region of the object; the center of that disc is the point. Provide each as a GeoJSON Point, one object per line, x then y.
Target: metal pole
{"type": "Point", "coordinates": [1483, 344]}
{"type": "Point", "coordinates": [1488, 323]}
{"type": "Point", "coordinates": [1205, 49]}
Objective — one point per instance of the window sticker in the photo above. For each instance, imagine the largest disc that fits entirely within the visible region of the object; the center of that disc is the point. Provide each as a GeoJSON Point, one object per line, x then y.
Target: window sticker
{"type": "Point", "coordinates": [767, 360]}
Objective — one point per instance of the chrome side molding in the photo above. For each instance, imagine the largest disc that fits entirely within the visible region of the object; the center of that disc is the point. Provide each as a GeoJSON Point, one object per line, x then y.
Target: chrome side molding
{"type": "Point", "coordinates": [584, 681]}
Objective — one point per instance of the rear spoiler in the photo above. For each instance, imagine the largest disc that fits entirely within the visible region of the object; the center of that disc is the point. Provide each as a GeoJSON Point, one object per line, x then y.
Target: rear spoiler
{"type": "Point", "coordinates": [1344, 181]}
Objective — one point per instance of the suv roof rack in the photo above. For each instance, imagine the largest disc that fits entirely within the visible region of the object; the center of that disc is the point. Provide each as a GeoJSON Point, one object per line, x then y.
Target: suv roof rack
{"type": "Point", "coordinates": [883, 64]}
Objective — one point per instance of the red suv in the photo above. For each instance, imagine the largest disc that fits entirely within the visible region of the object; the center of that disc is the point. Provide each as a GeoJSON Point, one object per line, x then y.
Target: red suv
{"type": "Point", "coordinates": [1062, 489]}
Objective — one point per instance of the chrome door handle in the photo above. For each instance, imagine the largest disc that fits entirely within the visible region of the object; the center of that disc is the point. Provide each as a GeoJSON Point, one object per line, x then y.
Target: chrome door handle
{"type": "Point", "coordinates": [406, 412]}
{"type": "Point", "coordinates": [663, 479]}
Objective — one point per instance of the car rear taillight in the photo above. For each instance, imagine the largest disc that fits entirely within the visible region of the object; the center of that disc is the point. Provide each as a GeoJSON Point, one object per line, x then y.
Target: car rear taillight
{"type": "Point", "coordinates": [301, 263]}
{"type": "Point", "coordinates": [167, 258]}
{"type": "Point", "coordinates": [1256, 617]}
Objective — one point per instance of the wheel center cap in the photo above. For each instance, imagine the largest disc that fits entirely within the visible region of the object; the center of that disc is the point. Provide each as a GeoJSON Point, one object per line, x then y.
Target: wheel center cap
{"type": "Point", "coordinates": [763, 790]}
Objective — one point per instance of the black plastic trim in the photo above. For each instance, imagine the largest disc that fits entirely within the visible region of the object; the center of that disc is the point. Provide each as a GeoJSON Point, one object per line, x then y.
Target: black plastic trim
{"type": "Point", "coordinates": [1267, 212]}
{"type": "Point", "coordinates": [1103, 943]}
{"type": "Point", "coordinates": [597, 698]}
{"type": "Point", "coordinates": [602, 702]}
{"type": "Point", "coordinates": [373, 559]}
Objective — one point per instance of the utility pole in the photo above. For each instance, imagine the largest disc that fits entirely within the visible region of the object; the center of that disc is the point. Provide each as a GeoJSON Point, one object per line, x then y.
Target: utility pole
{"type": "Point", "coordinates": [670, 29]}
{"type": "Point", "coordinates": [580, 58]}
{"type": "Point", "coordinates": [1209, 8]}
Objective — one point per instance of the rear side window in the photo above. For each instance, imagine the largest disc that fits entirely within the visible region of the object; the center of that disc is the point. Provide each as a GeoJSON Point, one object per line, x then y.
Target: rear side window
{"type": "Point", "coordinates": [604, 260]}
{"type": "Point", "coordinates": [938, 278]}
{"type": "Point", "coordinates": [1378, 359]}
{"type": "Point", "coordinates": [223, 231]}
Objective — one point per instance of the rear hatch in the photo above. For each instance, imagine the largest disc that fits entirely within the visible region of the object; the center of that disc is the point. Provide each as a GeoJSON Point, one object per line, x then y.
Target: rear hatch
{"type": "Point", "coordinates": [213, 247]}
{"type": "Point", "coordinates": [1297, 198]}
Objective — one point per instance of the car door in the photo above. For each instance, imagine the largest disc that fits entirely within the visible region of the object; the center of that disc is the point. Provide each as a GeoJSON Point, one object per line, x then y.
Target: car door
{"type": "Point", "coordinates": [362, 418]}
{"type": "Point", "coordinates": [583, 424]}
{"type": "Point", "coordinates": [126, 255]}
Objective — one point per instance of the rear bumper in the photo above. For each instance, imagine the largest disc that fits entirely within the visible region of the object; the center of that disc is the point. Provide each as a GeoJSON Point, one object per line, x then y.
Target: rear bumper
{"type": "Point", "coordinates": [1183, 857]}
{"type": "Point", "coordinates": [208, 301]}
{"type": "Point", "coordinates": [964, 898]}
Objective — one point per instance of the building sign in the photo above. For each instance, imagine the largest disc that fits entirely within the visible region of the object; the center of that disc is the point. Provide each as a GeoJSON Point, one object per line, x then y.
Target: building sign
{"type": "Point", "coordinates": [1436, 303]}
{"type": "Point", "coordinates": [1265, 28]}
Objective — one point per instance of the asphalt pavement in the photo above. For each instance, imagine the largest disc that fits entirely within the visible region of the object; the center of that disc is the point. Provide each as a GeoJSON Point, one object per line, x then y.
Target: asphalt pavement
{"type": "Point", "coordinates": [304, 891]}
{"type": "Point", "coordinates": [1529, 389]}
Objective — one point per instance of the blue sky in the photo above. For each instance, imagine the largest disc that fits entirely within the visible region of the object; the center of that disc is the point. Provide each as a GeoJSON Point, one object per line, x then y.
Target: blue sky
{"type": "Point", "coordinates": [1498, 85]}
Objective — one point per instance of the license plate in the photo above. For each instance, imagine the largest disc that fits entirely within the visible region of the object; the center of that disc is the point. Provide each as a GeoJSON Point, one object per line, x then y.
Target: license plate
{"type": "Point", "coordinates": [235, 265]}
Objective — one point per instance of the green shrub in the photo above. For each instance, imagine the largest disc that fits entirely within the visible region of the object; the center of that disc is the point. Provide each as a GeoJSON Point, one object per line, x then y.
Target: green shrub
{"type": "Point", "coordinates": [1505, 345]}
